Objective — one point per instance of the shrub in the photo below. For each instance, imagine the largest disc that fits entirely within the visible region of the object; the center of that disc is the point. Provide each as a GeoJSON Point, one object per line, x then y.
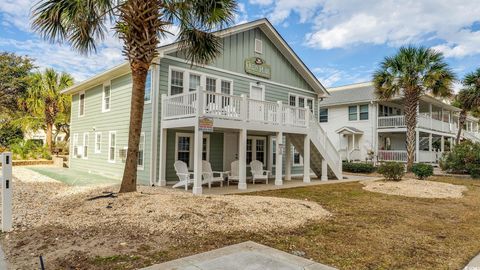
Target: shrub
{"type": "Point", "coordinates": [464, 158]}
{"type": "Point", "coordinates": [392, 170]}
{"type": "Point", "coordinates": [29, 149]}
{"type": "Point", "coordinates": [358, 167]}
{"type": "Point", "coordinates": [422, 170]}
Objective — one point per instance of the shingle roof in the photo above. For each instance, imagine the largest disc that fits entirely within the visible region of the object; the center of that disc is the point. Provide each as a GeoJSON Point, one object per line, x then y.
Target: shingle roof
{"type": "Point", "coordinates": [362, 92]}
{"type": "Point", "coordinates": [349, 129]}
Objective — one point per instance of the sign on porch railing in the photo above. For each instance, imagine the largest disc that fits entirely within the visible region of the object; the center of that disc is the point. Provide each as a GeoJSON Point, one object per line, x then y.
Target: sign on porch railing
{"type": "Point", "coordinates": [6, 179]}
{"type": "Point", "coordinates": [205, 124]}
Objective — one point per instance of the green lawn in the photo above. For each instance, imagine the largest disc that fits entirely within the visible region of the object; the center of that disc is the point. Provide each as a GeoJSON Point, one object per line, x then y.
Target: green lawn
{"type": "Point", "coordinates": [74, 177]}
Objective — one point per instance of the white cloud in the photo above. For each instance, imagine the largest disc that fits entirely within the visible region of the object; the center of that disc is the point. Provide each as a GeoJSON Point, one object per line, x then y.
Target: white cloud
{"type": "Point", "coordinates": [16, 13]}
{"type": "Point", "coordinates": [332, 76]}
{"type": "Point", "coordinates": [341, 24]}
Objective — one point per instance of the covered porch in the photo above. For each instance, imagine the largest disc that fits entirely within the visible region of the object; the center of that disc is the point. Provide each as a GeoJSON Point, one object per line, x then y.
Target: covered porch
{"type": "Point", "coordinates": [349, 143]}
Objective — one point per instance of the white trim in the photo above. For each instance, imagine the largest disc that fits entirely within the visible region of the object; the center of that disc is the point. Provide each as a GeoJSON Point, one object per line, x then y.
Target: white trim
{"type": "Point", "coordinates": [260, 43]}
{"type": "Point", "coordinates": [141, 167]}
{"type": "Point", "coordinates": [86, 138]}
{"type": "Point", "coordinates": [203, 80]}
{"type": "Point", "coordinates": [75, 144]}
{"type": "Point", "coordinates": [297, 96]}
{"type": "Point", "coordinates": [109, 158]}
{"type": "Point", "coordinates": [358, 113]}
{"type": "Point", "coordinates": [191, 146]}
{"type": "Point", "coordinates": [98, 151]}
{"type": "Point", "coordinates": [259, 86]}
{"type": "Point", "coordinates": [254, 148]}
{"type": "Point", "coordinates": [151, 86]}
{"type": "Point", "coordinates": [109, 84]}
{"type": "Point", "coordinates": [80, 103]}
{"type": "Point", "coordinates": [154, 124]}
{"type": "Point", "coordinates": [293, 151]}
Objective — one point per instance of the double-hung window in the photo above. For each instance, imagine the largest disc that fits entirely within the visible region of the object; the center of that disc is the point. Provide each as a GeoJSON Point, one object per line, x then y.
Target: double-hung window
{"type": "Point", "coordinates": [176, 82]}
{"type": "Point", "coordinates": [75, 145]}
{"type": "Point", "coordinates": [364, 112]}
{"type": "Point", "coordinates": [98, 142]}
{"type": "Point", "coordinates": [112, 144]}
{"type": "Point", "coordinates": [256, 149]}
{"type": "Point", "coordinates": [300, 101]}
{"type": "Point", "coordinates": [358, 112]}
{"type": "Point", "coordinates": [107, 91]}
{"type": "Point", "coordinates": [81, 104]}
{"type": "Point", "coordinates": [323, 118]}
{"type": "Point", "coordinates": [352, 113]}
{"type": "Point", "coordinates": [141, 151]}
{"type": "Point", "coordinates": [184, 147]}
{"type": "Point", "coordinates": [194, 82]}
{"type": "Point", "coordinates": [148, 87]}
{"type": "Point", "coordinates": [85, 145]}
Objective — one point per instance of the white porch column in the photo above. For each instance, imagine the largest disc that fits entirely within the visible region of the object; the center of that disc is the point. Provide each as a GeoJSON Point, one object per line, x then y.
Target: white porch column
{"type": "Point", "coordinates": [306, 158]}
{"type": "Point", "coordinates": [442, 144]}
{"type": "Point", "coordinates": [197, 159]}
{"type": "Point", "coordinates": [430, 139]}
{"type": "Point", "coordinates": [288, 159]}
{"type": "Point", "coordinates": [278, 160]}
{"type": "Point", "coordinates": [163, 158]}
{"type": "Point", "coordinates": [270, 154]}
{"type": "Point", "coordinates": [417, 145]}
{"type": "Point", "coordinates": [242, 159]}
{"type": "Point", "coordinates": [324, 170]}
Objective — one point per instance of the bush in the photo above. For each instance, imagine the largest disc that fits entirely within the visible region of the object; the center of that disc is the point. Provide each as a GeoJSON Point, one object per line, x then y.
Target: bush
{"type": "Point", "coordinates": [29, 149]}
{"type": "Point", "coordinates": [464, 158]}
{"type": "Point", "coordinates": [422, 170]}
{"type": "Point", "coordinates": [358, 167]}
{"type": "Point", "coordinates": [392, 170]}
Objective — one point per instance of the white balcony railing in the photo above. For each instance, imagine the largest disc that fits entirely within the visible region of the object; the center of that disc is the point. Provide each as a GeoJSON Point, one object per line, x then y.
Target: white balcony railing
{"type": "Point", "coordinates": [423, 121]}
{"type": "Point", "coordinates": [391, 121]}
{"type": "Point", "coordinates": [428, 156]}
{"type": "Point", "coordinates": [392, 155]}
{"type": "Point", "coordinates": [218, 105]}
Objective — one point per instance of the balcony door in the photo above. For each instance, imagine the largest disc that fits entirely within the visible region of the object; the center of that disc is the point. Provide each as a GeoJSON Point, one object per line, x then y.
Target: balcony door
{"type": "Point", "coordinates": [256, 107]}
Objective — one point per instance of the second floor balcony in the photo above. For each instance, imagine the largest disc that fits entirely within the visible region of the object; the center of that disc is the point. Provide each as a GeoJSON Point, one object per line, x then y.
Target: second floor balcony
{"type": "Point", "coordinates": [424, 121]}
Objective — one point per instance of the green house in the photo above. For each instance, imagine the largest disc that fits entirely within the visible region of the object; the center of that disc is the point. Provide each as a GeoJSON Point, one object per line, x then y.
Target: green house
{"type": "Point", "coordinates": [256, 101]}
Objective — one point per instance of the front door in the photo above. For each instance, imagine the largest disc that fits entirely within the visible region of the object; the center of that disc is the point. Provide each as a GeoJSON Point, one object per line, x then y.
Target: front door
{"type": "Point", "coordinates": [230, 149]}
{"type": "Point", "coordinates": [256, 107]}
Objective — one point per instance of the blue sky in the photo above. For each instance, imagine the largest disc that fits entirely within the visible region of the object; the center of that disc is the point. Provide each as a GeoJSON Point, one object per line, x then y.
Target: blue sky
{"type": "Point", "coordinates": [341, 41]}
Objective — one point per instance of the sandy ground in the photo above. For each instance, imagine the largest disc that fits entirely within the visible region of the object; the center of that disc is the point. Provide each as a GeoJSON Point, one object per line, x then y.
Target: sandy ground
{"type": "Point", "coordinates": [416, 188]}
{"type": "Point", "coordinates": [56, 220]}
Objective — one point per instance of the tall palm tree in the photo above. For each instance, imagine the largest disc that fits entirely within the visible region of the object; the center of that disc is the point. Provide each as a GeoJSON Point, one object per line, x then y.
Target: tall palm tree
{"type": "Point", "coordinates": [43, 102]}
{"type": "Point", "coordinates": [468, 99]}
{"type": "Point", "coordinates": [140, 24]}
{"type": "Point", "coordinates": [413, 72]}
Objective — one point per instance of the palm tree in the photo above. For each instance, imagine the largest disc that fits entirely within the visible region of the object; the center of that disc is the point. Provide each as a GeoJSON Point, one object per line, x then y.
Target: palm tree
{"type": "Point", "coordinates": [43, 103]}
{"type": "Point", "coordinates": [413, 72]}
{"type": "Point", "coordinates": [468, 99]}
{"type": "Point", "coordinates": [140, 24]}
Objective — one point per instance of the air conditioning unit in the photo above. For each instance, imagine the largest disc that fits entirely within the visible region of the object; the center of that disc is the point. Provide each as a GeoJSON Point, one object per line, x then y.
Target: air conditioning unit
{"type": "Point", "coordinates": [122, 153]}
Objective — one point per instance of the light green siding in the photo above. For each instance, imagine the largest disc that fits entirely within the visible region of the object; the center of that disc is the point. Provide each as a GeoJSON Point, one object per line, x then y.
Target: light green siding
{"type": "Point", "coordinates": [117, 119]}
{"type": "Point", "coordinates": [238, 47]}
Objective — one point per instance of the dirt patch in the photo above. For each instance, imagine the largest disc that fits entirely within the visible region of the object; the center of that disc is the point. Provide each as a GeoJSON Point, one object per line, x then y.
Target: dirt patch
{"type": "Point", "coordinates": [61, 222]}
{"type": "Point", "coordinates": [416, 188]}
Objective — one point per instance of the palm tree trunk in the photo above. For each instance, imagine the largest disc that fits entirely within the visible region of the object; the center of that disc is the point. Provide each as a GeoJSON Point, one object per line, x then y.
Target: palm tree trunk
{"type": "Point", "coordinates": [411, 103]}
{"type": "Point", "coordinates": [49, 137]}
{"type": "Point", "coordinates": [139, 76]}
{"type": "Point", "coordinates": [461, 122]}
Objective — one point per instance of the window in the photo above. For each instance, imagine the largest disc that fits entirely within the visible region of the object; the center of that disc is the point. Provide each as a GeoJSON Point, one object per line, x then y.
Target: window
{"type": "Point", "coordinates": [260, 151]}
{"type": "Point", "coordinates": [148, 87]}
{"type": "Point", "coordinates": [98, 142]}
{"type": "Point", "coordinates": [176, 82]}
{"type": "Point", "coordinates": [352, 113]}
{"type": "Point", "coordinates": [297, 159]}
{"type": "Point", "coordinates": [226, 87]}
{"type": "Point", "coordinates": [211, 84]}
{"type": "Point", "coordinates": [256, 149]}
{"type": "Point", "coordinates": [184, 148]}
{"type": "Point", "coordinates": [323, 116]}
{"type": "Point", "coordinates": [258, 46]}
{"type": "Point", "coordinates": [274, 151]}
{"type": "Point", "coordinates": [85, 145]}
{"type": "Point", "coordinates": [75, 145]}
{"type": "Point", "coordinates": [249, 151]}
{"type": "Point", "coordinates": [194, 82]}
{"type": "Point", "coordinates": [364, 112]}
{"type": "Point", "coordinates": [141, 151]}
{"type": "Point", "coordinates": [106, 98]}
{"type": "Point", "coordinates": [300, 101]}
{"type": "Point", "coordinates": [81, 104]}
{"type": "Point", "coordinates": [112, 141]}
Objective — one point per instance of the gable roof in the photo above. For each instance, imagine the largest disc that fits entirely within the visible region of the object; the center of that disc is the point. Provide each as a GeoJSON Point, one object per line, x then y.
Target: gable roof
{"type": "Point", "coordinates": [263, 24]}
{"type": "Point", "coordinates": [348, 130]}
{"type": "Point", "coordinates": [348, 94]}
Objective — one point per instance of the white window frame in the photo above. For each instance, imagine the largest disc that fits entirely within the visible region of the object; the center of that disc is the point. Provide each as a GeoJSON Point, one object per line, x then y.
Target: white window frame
{"type": "Point", "coordinates": [297, 96]}
{"type": "Point", "coordinates": [358, 112]}
{"type": "Point", "coordinates": [149, 100]}
{"type": "Point", "coordinates": [75, 144]}
{"type": "Point", "coordinates": [86, 137]}
{"type": "Point", "coordinates": [107, 84]}
{"type": "Point", "coordinates": [142, 141]}
{"type": "Point", "coordinates": [320, 114]}
{"type": "Point", "coordinates": [273, 140]}
{"type": "Point", "coordinates": [260, 43]}
{"type": "Point", "coordinates": [254, 149]}
{"type": "Point", "coordinates": [109, 158]}
{"type": "Point", "coordinates": [192, 146]}
{"type": "Point", "coordinates": [80, 103]}
{"type": "Point", "coordinates": [203, 80]}
{"type": "Point", "coordinates": [98, 142]}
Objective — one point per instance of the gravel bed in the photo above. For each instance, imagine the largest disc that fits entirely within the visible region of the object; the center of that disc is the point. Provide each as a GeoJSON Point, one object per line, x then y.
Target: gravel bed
{"type": "Point", "coordinates": [416, 188]}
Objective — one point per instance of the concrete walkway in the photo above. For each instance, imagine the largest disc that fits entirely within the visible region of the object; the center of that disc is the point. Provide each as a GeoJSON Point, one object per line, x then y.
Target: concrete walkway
{"type": "Point", "coordinates": [473, 264]}
{"type": "Point", "coordinates": [244, 256]}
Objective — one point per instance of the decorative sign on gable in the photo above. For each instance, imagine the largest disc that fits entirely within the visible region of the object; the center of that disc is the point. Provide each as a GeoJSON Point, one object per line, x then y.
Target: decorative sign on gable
{"type": "Point", "coordinates": [256, 66]}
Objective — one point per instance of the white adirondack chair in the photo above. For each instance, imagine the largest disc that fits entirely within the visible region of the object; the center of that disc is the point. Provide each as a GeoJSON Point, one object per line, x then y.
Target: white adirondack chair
{"type": "Point", "coordinates": [209, 175]}
{"type": "Point", "coordinates": [183, 174]}
{"type": "Point", "coordinates": [233, 174]}
{"type": "Point", "coordinates": [258, 173]}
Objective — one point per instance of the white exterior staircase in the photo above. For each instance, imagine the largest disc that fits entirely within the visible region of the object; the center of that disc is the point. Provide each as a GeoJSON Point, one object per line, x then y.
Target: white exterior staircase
{"type": "Point", "coordinates": [320, 148]}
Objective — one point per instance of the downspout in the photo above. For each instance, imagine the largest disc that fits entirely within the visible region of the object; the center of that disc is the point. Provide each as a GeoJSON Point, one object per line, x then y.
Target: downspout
{"type": "Point", "coordinates": [154, 125]}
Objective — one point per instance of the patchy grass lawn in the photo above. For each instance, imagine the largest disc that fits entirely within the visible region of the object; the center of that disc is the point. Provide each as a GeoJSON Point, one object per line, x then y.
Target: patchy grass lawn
{"type": "Point", "coordinates": [367, 231]}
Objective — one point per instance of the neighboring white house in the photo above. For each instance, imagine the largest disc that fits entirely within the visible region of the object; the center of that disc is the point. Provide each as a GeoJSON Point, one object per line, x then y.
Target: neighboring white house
{"type": "Point", "coordinates": [41, 135]}
{"type": "Point", "coordinates": [363, 127]}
